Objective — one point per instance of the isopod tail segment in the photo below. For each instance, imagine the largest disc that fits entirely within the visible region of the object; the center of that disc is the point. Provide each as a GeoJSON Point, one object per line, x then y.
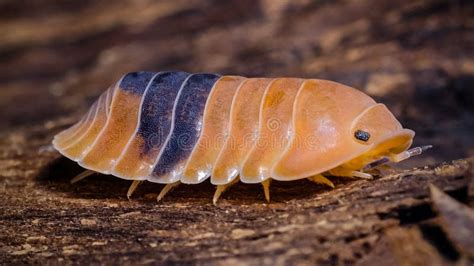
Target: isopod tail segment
{"type": "Point", "coordinates": [174, 127]}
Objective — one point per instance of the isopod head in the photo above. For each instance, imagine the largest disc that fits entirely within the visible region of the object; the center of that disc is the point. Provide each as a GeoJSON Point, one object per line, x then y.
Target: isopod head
{"type": "Point", "coordinates": [381, 134]}
{"type": "Point", "coordinates": [338, 130]}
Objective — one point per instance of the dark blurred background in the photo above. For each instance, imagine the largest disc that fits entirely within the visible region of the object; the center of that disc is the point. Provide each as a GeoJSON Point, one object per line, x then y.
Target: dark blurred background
{"type": "Point", "coordinates": [415, 56]}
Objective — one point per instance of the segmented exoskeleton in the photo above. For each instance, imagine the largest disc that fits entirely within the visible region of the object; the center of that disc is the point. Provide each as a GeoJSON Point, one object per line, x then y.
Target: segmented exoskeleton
{"type": "Point", "coordinates": [174, 127]}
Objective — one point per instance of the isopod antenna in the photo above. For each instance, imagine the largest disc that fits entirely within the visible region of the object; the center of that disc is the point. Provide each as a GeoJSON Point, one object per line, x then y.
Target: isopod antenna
{"type": "Point", "coordinates": [396, 158]}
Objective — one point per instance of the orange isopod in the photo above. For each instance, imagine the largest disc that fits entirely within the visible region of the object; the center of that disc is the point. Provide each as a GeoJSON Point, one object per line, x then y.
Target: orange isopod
{"type": "Point", "coordinates": [173, 127]}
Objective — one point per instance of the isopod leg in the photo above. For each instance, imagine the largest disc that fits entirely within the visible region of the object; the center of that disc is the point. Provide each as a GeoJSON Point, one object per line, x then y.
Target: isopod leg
{"type": "Point", "coordinates": [361, 175]}
{"type": "Point", "coordinates": [133, 187]}
{"type": "Point", "coordinates": [266, 189]}
{"type": "Point", "coordinates": [320, 179]}
{"type": "Point", "coordinates": [82, 175]}
{"type": "Point", "coordinates": [221, 189]}
{"type": "Point", "coordinates": [166, 189]}
{"type": "Point", "coordinates": [342, 172]}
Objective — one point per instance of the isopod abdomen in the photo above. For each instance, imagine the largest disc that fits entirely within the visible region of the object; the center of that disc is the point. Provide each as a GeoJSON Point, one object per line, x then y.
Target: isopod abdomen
{"type": "Point", "coordinates": [174, 127]}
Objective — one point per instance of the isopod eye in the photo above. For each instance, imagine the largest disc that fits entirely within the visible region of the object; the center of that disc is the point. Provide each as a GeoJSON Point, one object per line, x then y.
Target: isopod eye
{"type": "Point", "coordinates": [362, 135]}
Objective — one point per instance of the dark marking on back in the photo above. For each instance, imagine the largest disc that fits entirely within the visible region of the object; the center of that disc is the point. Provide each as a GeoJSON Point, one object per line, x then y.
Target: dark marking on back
{"type": "Point", "coordinates": [136, 82]}
{"type": "Point", "coordinates": [189, 111]}
{"type": "Point", "coordinates": [157, 109]}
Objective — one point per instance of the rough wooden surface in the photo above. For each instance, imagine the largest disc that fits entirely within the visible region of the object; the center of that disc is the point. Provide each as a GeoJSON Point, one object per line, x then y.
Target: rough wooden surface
{"type": "Point", "coordinates": [46, 219]}
{"type": "Point", "coordinates": [415, 56]}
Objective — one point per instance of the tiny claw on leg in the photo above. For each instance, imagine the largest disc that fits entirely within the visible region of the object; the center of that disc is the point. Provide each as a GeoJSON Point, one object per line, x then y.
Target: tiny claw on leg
{"type": "Point", "coordinates": [166, 189]}
{"type": "Point", "coordinates": [81, 176]}
{"type": "Point", "coordinates": [320, 179]}
{"type": "Point", "coordinates": [266, 189]}
{"type": "Point", "coordinates": [221, 188]}
{"type": "Point", "coordinates": [133, 187]}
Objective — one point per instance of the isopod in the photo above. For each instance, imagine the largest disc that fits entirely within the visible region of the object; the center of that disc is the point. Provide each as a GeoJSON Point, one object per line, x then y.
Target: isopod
{"type": "Point", "coordinates": [173, 127]}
